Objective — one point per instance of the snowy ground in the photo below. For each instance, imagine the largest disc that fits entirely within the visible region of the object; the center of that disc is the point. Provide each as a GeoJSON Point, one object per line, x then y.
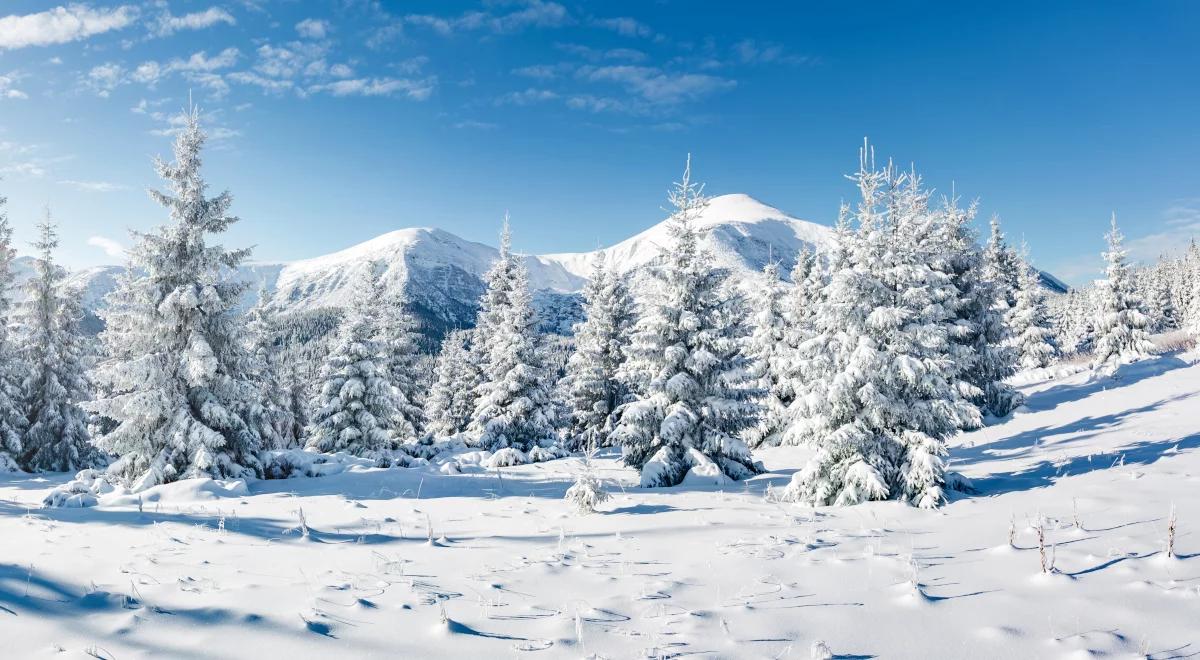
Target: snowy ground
{"type": "Point", "coordinates": [209, 572]}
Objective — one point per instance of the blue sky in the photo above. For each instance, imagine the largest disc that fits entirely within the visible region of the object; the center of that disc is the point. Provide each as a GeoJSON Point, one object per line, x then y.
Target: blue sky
{"type": "Point", "coordinates": [334, 121]}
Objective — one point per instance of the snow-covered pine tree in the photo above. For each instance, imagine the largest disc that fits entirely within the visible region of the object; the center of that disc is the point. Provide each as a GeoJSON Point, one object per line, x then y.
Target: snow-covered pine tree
{"type": "Point", "coordinates": [398, 339]}
{"type": "Point", "coordinates": [995, 357]}
{"type": "Point", "coordinates": [176, 367]}
{"type": "Point", "coordinates": [451, 400]}
{"type": "Point", "coordinates": [12, 419]}
{"type": "Point", "coordinates": [356, 404]}
{"type": "Point", "coordinates": [1029, 321]}
{"type": "Point", "coordinates": [513, 405]}
{"type": "Point", "coordinates": [1074, 325]}
{"type": "Point", "coordinates": [1193, 313]}
{"type": "Point", "coordinates": [696, 401]}
{"type": "Point", "coordinates": [770, 356]}
{"type": "Point", "coordinates": [800, 305]}
{"type": "Point", "coordinates": [276, 423]}
{"type": "Point", "coordinates": [1121, 335]}
{"type": "Point", "coordinates": [1160, 301]}
{"type": "Point", "coordinates": [57, 439]}
{"type": "Point", "coordinates": [880, 415]}
{"type": "Point", "coordinates": [593, 386]}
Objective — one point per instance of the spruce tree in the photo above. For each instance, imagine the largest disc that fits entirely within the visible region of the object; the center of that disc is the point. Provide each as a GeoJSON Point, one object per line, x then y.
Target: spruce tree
{"type": "Point", "coordinates": [995, 357]}
{"type": "Point", "coordinates": [880, 415]}
{"type": "Point", "coordinates": [275, 422]}
{"type": "Point", "coordinates": [513, 406]}
{"type": "Point", "coordinates": [12, 420]}
{"type": "Point", "coordinates": [57, 438]}
{"type": "Point", "coordinates": [398, 340]}
{"type": "Point", "coordinates": [593, 383]}
{"type": "Point", "coordinates": [1120, 321]}
{"type": "Point", "coordinates": [770, 357]}
{"type": "Point", "coordinates": [181, 393]}
{"type": "Point", "coordinates": [800, 305]}
{"type": "Point", "coordinates": [355, 407]}
{"type": "Point", "coordinates": [451, 400]}
{"type": "Point", "coordinates": [687, 347]}
{"type": "Point", "coordinates": [1030, 324]}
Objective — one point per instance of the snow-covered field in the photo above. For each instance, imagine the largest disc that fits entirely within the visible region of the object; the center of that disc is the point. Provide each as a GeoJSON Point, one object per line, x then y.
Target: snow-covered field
{"type": "Point", "coordinates": [344, 565]}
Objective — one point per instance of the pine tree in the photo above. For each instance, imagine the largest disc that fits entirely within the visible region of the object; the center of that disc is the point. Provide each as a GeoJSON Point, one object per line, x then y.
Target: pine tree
{"type": "Point", "coordinates": [593, 384]}
{"type": "Point", "coordinates": [356, 404]}
{"type": "Point", "coordinates": [800, 305]}
{"type": "Point", "coordinates": [1120, 322]}
{"type": "Point", "coordinates": [696, 401]}
{"type": "Point", "coordinates": [181, 395]}
{"type": "Point", "coordinates": [57, 439]}
{"type": "Point", "coordinates": [398, 339]}
{"type": "Point", "coordinates": [770, 357]}
{"type": "Point", "coordinates": [995, 358]}
{"type": "Point", "coordinates": [451, 400]}
{"type": "Point", "coordinates": [1030, 325]}
{"type": "Point", "coordinates": [880, 415]}
{"type": "Point", "coordinates": [513, 406]}
{"type": "Point", "coordinates": [276, 422]}
{"type": "Point", "coordinates": [12, 420]}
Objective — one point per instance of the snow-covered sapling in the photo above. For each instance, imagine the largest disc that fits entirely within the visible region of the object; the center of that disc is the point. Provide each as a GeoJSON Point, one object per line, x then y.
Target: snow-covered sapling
{"type": "Point", "coordinates": [1171, 525]}
{"type": "Point", "coordinates": [587, 492]}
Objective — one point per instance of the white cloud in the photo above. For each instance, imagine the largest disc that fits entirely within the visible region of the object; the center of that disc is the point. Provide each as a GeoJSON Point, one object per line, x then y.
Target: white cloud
{"type": "Point", "coordinates": [527, 97]}
{"type": "Point", "coordinates": [534, 13]}
{"type": "Point", "coordinates": [7, 89]}
{"type": "Point", "coordinates": [1182, 220]}
{"type": "Point", "coordinates": [111, 248]}
{"type": "Point", "coordinates": [312, 28]}
{"type": "Point", "coordinates": [658, 86]}
{"type": "Point", "coordinates": [93, 186]}
{"type": "Point", "coordinates": [418, 90]}
{"type": "Point", "coordinates": [62, 25]}
{"type": "Point", "coordinates": [166, 24]}
{"type": "Point", "coordinates": [475, 124]}
{"type": "Point", "coordinates": [103, 78]}
{"type": "Point", "coordinates": [624, 26]}
{"type": "Point", "coordinates": [749, 51]}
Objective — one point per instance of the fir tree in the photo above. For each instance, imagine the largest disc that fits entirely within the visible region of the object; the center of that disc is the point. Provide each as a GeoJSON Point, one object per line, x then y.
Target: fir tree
{"type": "Point", "coordinates": [513, 406]}
{"type": "Point", "coordinates": [1030, 326]}
{"type": "Point", "coordinates": [800, 305]}
{"type": "Point", "coordinates": [181, 395]}
{"type": "Point", "coordinates": [593, 384]}
{"type": "Point", "coordinates": [770, 357]}
{"type": "Point", "coordinates": [399, 341]}
{"type": "Point", "coordinates": [12, 420]}
{"type": "Point", "coordinates": [57, 439]}
{"type": "Point", "coordinates": [995, 357]}
{"type": "Point", "coordinates": [451, 400]}
{"type": "Point", "coordinates": [696, 401]}
{"type": "Point", "coordinates": [880, 415]}
{"type": "Point", "coordinates": [356, 404]}
{"type": "Point", "coordinates": [1120, 322]}
{"type": "Point", "coordinates": [276, 422]}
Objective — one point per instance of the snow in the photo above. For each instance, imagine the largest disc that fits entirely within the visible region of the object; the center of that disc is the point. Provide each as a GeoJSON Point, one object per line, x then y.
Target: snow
{"type": "Point", "coordinates": [492, 562]}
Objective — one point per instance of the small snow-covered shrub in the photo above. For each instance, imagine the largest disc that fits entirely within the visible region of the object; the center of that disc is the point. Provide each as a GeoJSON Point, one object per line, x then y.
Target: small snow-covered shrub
{"type": "Point", "coordinates": [586, 494]}
{"type": "Point", "coordinates": [507, 457]}
{"type": "Point", "coordinates": [543, 454]}
{"type": "Point", "coordinates": [82, 491]}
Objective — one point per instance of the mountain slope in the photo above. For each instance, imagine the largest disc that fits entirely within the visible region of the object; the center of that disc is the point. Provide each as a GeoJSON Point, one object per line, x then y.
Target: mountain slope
{"type": "Point", "coordinates": [443, 273]}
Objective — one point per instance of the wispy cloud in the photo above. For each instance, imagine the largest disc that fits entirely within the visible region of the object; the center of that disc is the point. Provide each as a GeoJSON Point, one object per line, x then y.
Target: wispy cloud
{"type": "Point", "coordinates": [312, 28]}
{"type": "Point", "coordinates": [93, 186]}
{"type": "Point", "coordinates": [657, 86]}
{"type": "Point", "coordinates": [475, 124]}
{"type": "Point", "coordinates": [1182, 225]}
{"type": "Point", "coordinates": [8, 89]}
{"type": "Point", "coordinates": [164, 25]}
{"type": "Point", "coordinates": [109, 246]}
{"type": "Point", "coordinates": [62, 25]}
{"type": "Point", "coordinates": [527, 96]}
{"type": "Point", "coordinates": [749, 51]}
{"type": "Point", "coordinates": [624, 26]}
{"type": "Point", "coordinates": [418, 90]}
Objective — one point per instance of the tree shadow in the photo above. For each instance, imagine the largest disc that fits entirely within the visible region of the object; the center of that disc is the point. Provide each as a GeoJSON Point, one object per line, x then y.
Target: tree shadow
{"type": "Point", "coordinates": [1128, 374]}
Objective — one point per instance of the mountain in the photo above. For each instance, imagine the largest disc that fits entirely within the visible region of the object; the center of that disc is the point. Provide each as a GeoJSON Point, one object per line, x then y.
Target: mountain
{"type": "Point", "coordinates": [443, 273]}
